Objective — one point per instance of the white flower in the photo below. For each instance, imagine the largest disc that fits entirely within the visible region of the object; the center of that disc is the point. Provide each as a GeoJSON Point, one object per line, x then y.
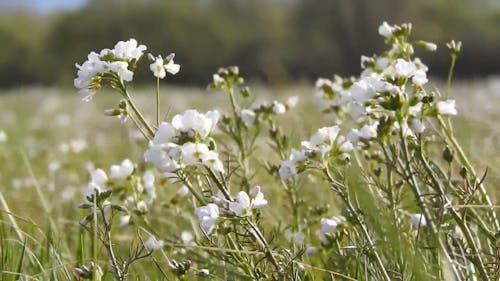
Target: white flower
{"type": "Point", "coordinates": [278, 108]}
{"type": "Point", "coordinates": [172, 67]}
{"type": "Point", "coordinates": [121, 68]}
{"type": "Point", "coordinates": [417, 125]}
{"type": "Point", "coordinates": [191, 119]}
{"type": "Point", "coordinates": [243, 205]}
{"type": "Point", "coordinates": [258, 200]}
{"type": "Point", "coordinates": [419, 77]}
{"type": "Point", "coordinates": [248, 117]}
{"type": "Point", "coordinates": [292, 101]}
{"type": "Point", "coordinates": [3, 136]}
{"type": "Point", "coordinates": [182, 191]}
{"type": "Point", "coordinates": [217, 79]}
{"type": "Point", "coordinates": [211, 160]}
{"type": "Point", "coordinates": [187, 237]}
{"type": "Point", "coordinates": [124, 221]}
{"type": "Point", "coordinates": [164, 134]}
{"type": "Point", "coordinates": [288, 168]}
{"type": "Point", "coordinates": [446, 107]}
{"type": "Point", "coordinates": [368, 131]}
{"type": "Point", "coordinates": [192, 152]}
{"type": "Point", "coordinates": [415, 110]}
{"type": "Point", "coordinates": [311, 250]}
{"type": "Point", "coordinates": [404, 68]}
{"type": "Point", "coordinates": [329, 226]}
{"type": "Point", "coordinates": [153, 244]}
{"type": "Point", "coordinates": [207, 215]}
{"type": "Point", "coordinates": [128, 50]}
{"type": "Point", "coordinates": [385, 30]}
{"type": "Point", "coordinates": [158, 68]}
{"type": "Point", "coordinates": [417, 220]}
{"type": "Point", "coordinates": [122, 171]}
{"type": "Point", "coordinates": [97, 183]}
{"type": "Point", "coordinates": [149, 181]}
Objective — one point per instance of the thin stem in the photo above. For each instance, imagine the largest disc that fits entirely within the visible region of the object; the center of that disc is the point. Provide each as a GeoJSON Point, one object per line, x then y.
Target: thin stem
{"type": "Point", "coordinates": [157, 102]}
{"type": "Point", "coordinates": [109, 247]}
{"type": "Point", "coordinates": [269, 254]}
{"type": "Point", "coordinates": [188, 184]}
{"type": "Point", "coordinates": [132, 105]}
{"type": "Point", "coordinates": [466, 162]}
{"type": "Point", "coordinates": [450, 75]}
{"type": "Point", "coordinates": [476, 258]}
{"type": "Point", "coordinates": [359, 221]}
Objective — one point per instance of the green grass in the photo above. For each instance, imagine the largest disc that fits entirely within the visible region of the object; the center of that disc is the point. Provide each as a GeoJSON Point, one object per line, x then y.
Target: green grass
{"type": "Point", "coordinates": [40, 238]}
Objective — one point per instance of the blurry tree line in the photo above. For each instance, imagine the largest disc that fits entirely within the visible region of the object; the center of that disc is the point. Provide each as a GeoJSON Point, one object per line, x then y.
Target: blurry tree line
{"type": "Point", "coordinates": [276, 41]}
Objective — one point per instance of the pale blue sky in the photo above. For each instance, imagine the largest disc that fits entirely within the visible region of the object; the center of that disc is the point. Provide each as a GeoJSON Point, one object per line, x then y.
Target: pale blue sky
{"type": "Point", "coordinates": [43, 6]}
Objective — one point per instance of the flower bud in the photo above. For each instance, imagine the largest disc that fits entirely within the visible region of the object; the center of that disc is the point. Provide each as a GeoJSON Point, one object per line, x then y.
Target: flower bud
{"type": "Point", "coordinates": [454, 47]}
{"type": "Point", "coordinates": [448, 154]}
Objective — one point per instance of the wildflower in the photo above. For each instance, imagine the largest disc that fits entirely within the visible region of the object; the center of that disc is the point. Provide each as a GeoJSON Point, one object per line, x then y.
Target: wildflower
{"type": "Point", "coordinates": [158, 68]}
{"type": "Point", "coordinates": [172, 67]}
{"type": "Point", "coordinates": [3, 136]}
{"type": "Point", "coordinates": [385, 30]}
{"type": "Point", "coordinates": [207, 215]}
{"type": "Point", "coordinates": [288, 168]}
{"type": "Point", "coordinates": [417, 220]}
{"type": "Point", "coordinates": [128, 50]}
{"type": "Point", "coordinates": [329, 226]}
{"type": "Point", "coordinates": [278, 108]}
{"type": "Point", "coordinates": [311, 250]}
{"type": "Point", "coordinates": [446, 107]}
{"type": "Point", "coordinates": [192, 120]}
{"type": "Point", "coordinates": [417, 126]}
{"type": "Point", "coordinates": [122, 171]}
{"type": "Point", "coordinates": [97, 183]}
{"type": "Point", "coordinates": [187, 237]}
{"type": "Point", "coordinates": [211, 160]}
{"type": "Point", "coordinates": [124, 221]}
{"type": "Point", "coordinates": [153, 244]}
{"type": "Point", "coordinates": [204, 272]}
{"type": "Point", "coordinates": [292, 101]}
{"type": "Point", "coordinates": [248, 117]}
{"type": "Point", "coordinates": [243, 205]}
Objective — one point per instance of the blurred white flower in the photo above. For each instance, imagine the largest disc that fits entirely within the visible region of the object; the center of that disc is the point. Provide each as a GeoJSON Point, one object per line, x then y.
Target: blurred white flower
{"type": "Point", "coordinates": [329, 226]}
{"type": "Point", "coordinates": [122, 171]}
{"type": "Point", "coordinates": [292, 101]}
{"type": "Point", "coordinates": [187, 237]}
{"type": "Point", "coordinates": [446, 107]}
{"type": "Point", "coordinates": [248, 117]}
{"type": "Point", "coordinates": [153, 244]}
{"type": "Point", "coordinates": [278, 108]}
{"type": "Point", "coordinates": [191, 119]}
{"type": "Point", "coordinates": [207, 215]}
{"type": "Point", "coordinates": [417, 125]}
{"type": "Point", "coordinates": [385, 30]}
{"type": "Point", "coordinates": [288, 168]}
{"type": "Point", "coordinates": [124, 221]}
{"type": "Point", "coordinates": [417, 220]}
{"type": "Point", "coordinates": [295, 237]}
{"type": "Point", "coordinates": [3, 136]}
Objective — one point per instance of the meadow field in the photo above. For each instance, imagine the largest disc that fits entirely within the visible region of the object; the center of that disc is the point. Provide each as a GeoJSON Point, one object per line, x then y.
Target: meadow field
{"type": "Point", "coordinates": [52, 141]}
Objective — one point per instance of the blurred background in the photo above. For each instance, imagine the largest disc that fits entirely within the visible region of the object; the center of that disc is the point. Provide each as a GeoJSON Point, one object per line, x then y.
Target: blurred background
{"type": "Point", "coordinates": [273, 41]}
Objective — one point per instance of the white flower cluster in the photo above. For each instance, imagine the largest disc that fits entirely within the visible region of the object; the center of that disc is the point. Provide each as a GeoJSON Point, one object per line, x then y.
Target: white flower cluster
{"type": "Point", "coordinates": [390, 86]}
{"type": "Point", "coordinates": [261, 111]}
{"type": "Point", "coordinates": [115, 61]}
{"type": "Point", "coordinates": [184, 142]}
{"type": "Point", "coordinates": [328, 226]}
{"type": "Point", "coordinates": [241, 206]}
{"type": "Point", "coordinates": [325, 143]}
{"type": "Point", "coordinates": [138, 197]}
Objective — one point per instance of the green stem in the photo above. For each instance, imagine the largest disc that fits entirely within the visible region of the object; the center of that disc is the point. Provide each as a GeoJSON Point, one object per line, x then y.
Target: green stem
{"type": "Point", "coordinates": [157, 102]}
{"type": "Point", "coordinates": [136, 111]}
{"type": "Point", "coordinates": [465, 161]}
{"type": "Point", "coordinates": [450, 75]}
{"type": "Point", "coordinates": [374, 253]}
{"type": "Point", "coordinates": [476, 258]}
